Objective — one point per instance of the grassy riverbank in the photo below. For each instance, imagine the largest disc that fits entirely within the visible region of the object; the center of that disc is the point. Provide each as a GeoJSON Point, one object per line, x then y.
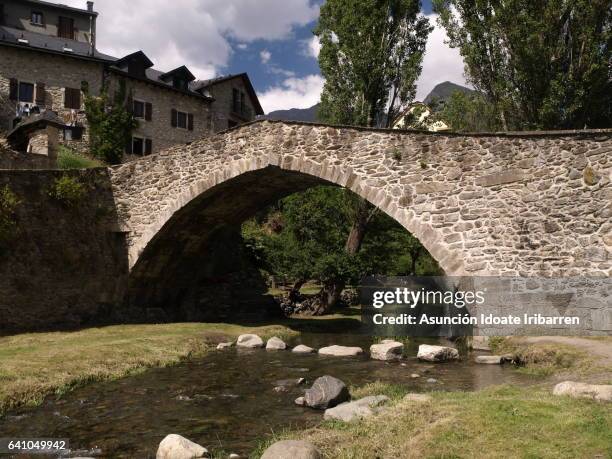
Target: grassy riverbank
{"type": "Point", "coordinates": [499, 422]}
{"type": "Point", "coordinates": [37, 364]}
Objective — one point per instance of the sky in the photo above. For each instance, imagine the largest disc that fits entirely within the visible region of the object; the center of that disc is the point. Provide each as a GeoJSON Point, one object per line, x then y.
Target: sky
{"type": "Point", "coordinates": [271, 40]}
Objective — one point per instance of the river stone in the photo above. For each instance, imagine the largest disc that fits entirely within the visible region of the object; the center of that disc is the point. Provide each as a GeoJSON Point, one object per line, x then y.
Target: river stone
{"type": "Point", "coordinates": [300, 401]}
{"type": "Point", "coordinates": [292, 449]}
{"type": "Point", "coordinates": [359, 409]}
{"type": "Point", "coordinates": [387, 350]}
{"type": "Point", "coordinates": [489, 359]}
{"type": "Point", "coordinates": [276, 344]}
{"type": "Point", "coordinates": [340, 351]}
{"type": "Point", "coordinates": [302, 349]}
{"type": "Point", "coordinates": [177, 447]}
{"type": "Point", "coordinates": [249, 340]}
{"type": "Point", "coordinates": [432, 380]}
{"type": "Point", "coordinates": [601, 392]}
{"type": "Point", "coordinates": [326, 392]}
{"type": "Point", "coordinates": [221, 346]}
{"type": "Point", "coordinates": [437, 353]}
{"type": "Point", "coordinates": [417, 398]}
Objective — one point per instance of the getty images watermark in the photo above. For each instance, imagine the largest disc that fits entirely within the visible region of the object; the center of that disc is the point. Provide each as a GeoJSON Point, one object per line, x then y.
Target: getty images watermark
{"type": "Point", "coordinates": [455, 306]}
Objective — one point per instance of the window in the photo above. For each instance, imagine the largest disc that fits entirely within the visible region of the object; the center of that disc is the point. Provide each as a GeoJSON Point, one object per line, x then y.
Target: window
{"type": "Point", "coordinates": [139, 109]}
{"type": "Point", "coordinates": [231, 124]}
{"type": "Point", "coordinates": [141, 146]}
{"type": "Point", "coordinates": [72, 98]}
{"type": "Point", "coordinates": [181, 120]}
{"type": "Point", "coordinates": [26, 92]}
{"type": "Point", "coordinates": [65, 28]}
{"type": "Point", "coordinates": [37, 18]}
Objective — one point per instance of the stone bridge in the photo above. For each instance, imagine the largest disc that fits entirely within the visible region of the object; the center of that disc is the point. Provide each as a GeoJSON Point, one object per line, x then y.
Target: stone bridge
{"type": "Point", "coordinates": [511, 204]}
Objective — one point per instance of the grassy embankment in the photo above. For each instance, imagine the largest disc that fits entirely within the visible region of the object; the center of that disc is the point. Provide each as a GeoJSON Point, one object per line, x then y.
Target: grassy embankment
{"type": "Point", "coordinates": [70, 159]}
{"type": "Point", "coordinates": [499, 422]}
{"type": "Point", "coordinates": [33, 365]}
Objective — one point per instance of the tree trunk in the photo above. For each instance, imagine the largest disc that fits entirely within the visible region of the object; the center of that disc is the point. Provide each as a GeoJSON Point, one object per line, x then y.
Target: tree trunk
{"type": "Point", "coordinates": [294, 293]}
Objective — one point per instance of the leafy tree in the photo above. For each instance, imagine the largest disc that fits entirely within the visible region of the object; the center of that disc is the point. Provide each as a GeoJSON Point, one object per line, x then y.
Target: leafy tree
{"type": "Point", "coordinates": [541, 64]}
{"type": "Point", "coordinates": [110, 126]}
{"type": "Point", "coordinates": [469, 113]}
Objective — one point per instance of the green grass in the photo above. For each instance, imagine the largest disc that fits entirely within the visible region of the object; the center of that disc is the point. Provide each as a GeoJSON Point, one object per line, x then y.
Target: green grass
{"type": "Point", "coordinates": [499, 422]}
{"type": "Point", "coordinates": [70, 159]}
{"type": "Point", "coordinates": [34, 365]}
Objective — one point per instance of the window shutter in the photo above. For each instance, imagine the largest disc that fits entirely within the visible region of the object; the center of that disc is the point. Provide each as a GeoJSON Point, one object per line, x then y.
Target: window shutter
{"type": "Point", "coordinates": [173, 118]}
{"type": "Point", "coordinates": [128, 146]}
{"type": "Point", "coordinates": [148, 146]}
{"type": "Point", "coordinates": [190, 121]}
{"type": "Point", "coordinates": [14, 89]}
{"type": "Point", "coordinates": [129, 105]}
{"type": "Point", "coordinates": [72, 98]}
{"type": "Point", "coordinates": [148, 111]}
{"type": "Point", "coordinates": [40, 93]}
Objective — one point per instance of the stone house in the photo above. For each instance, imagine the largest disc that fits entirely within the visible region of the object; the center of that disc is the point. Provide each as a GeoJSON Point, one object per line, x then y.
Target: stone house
{"type": "Point", "coordinates": [48, 58]}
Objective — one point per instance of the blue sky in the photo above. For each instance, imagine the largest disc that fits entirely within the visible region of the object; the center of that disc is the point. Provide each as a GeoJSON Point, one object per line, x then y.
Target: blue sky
{"type": "Point", "coordinates": [272, 40]}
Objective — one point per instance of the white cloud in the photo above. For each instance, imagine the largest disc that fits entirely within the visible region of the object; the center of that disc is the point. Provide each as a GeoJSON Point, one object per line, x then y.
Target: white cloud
{"type": "Point", "coordinates": [293, 93]}
{"type": "Point", "coordinates": [265, 56]}
{"type": "Point", "coordinates": [312, 47]}
{"type": "Point", "coordinates": [441, 63]}
{"type": "Point", "coordinates": [242, 46]}
{"type": "Point", "coordinates": [193, 32]}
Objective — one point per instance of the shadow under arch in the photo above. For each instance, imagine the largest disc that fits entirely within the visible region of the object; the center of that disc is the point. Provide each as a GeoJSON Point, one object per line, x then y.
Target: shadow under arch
{"type": "Point", "coordinates": [190, 261]}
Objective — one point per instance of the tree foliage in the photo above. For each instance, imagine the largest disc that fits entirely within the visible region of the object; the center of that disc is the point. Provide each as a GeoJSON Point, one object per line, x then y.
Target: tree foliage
{"type": "Point", "coordinates": [371, 55]}
{"type": "Point", "coordinates": [110, 124]}
{"type": "Point", "coordinates": [469, 113]}
{"type": "Point", "coordinates": [541, 64]}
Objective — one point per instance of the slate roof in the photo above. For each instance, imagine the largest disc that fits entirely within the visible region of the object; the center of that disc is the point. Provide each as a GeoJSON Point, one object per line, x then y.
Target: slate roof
{"type": "Point", "coordinates": [60, 6]}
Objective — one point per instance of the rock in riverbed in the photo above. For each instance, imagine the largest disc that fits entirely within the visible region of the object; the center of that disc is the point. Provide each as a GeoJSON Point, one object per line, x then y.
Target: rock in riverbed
{"type": "Point", "coordinates": [437, 353]}
{"type": "Point", "coordinates": [341, 351]}
{"type": "Point", "coordinates": [359, 409]}
{"type": "Point", "coordinates": [176, 447]}
{"type": "Point", "coordinates": [275, 344]}
{"type": "Point", "coordinates": [387, 350]}
{"type": "Point", "coordinates": [249, 340]}
{"type": "Point", "coordinates": [489, 359]}
{"type": "Point", "coordinates": [302, 349]}
{"type": "Point", "coordinates": [601, 392]}
{"type": "Point", "coordinates": [326, 392]}
{"type": "Point", "coordinates": [221, 346]}
{"type": "Point", "coordinates": [292, 449]}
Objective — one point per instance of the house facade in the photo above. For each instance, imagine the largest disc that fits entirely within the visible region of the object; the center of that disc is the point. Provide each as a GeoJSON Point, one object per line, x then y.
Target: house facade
{"type": "Point", "coordinates": [49, 59]}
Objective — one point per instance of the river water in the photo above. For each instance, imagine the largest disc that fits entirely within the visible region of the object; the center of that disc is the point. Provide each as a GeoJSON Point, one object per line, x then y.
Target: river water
{"type": "Point", "coordinates": [226, 400]}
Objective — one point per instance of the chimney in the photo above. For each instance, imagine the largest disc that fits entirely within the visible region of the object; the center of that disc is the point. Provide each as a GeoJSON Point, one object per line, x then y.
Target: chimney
{"type": "Point", "coordinates": [92, 29]}
{"type": "Point", "coordinates": [90, 7]}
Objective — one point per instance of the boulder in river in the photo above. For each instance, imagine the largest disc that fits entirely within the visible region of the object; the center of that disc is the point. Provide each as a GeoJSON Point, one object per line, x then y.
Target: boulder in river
{"type": "Point", "coordinates": [275, 344]}
{"type": "Point", "coordinates": [221, 346]}
{"type": "Point", "coordinates": [341, 351]}
{"type": "Point", "coordinates": [292, 449]}
{"type": "Point", "coordinates": [300, 401]}
{"type": "Point", "coordinates": [437, 353]}
{"type": "Point", "coordinates": [326, 392]}
{"type": "Point", "coordinates": [302, 349]}
{"type": "Point", "coordinates": [387, 350]}
{"type": "Point", "coordinates": [358, 409]}
{"type": "Point", "coordinates": [601, 392]}
{"type": "Point", "coordinates": [249, 340]}
{"type": "Point", "coordinates": [176, 447]}
{"type": "Point", "coordinates": [489, 359]}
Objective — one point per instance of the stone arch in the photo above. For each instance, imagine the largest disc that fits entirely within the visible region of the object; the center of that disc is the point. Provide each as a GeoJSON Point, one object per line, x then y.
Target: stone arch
{"type": "Point", "coordinates": [489, 204]}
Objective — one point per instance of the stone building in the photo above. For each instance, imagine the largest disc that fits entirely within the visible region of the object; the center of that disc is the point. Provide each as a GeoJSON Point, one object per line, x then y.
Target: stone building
{"type": "Point", "coordinates": [48, 58]}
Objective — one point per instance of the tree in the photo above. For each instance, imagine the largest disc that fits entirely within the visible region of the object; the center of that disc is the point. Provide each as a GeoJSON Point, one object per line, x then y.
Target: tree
{"type": "Point", "coordinates": [371, 55]}
{"type": "Point", "coordinates": [468, 113]}
{"type": "Point", "coordinates": [110, 125]}
{"type": "Point", "coordinates": [541, 64]}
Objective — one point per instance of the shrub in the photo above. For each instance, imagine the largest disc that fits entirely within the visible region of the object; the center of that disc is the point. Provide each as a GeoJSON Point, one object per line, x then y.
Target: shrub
{"type": "Point", "coordinates": [8, 205]}
{"type": "Point", "coordinates": [67, 190]}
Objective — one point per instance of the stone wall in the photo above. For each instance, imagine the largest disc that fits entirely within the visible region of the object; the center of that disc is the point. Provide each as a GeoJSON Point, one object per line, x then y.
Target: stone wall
{"type": "Point", "coordinates": [222, 106]}
{"type": "Point", "coordinates": [10, 159]}
{"type": "Point", "coordinates": [65, 265]}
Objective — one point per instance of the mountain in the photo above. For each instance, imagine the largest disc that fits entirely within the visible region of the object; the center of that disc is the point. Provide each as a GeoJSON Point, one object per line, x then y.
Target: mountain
{"type": "Point", "coordinates": [443, 91]}
{"type": "Point", "coordinates": [294, 114]}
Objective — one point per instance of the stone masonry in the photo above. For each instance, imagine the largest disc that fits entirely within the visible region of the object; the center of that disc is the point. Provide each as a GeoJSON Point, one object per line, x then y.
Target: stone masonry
{"type": "Point", "coordinates": [517, 204]}
{"type": "Point", "coordinates": [154, 233]}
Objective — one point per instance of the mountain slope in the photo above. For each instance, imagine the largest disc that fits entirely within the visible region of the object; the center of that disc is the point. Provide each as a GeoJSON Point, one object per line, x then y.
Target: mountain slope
{"type": "Point", "coordinates": [294, 114]}
{"type": "Point", "coordinates": [443, 91]}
